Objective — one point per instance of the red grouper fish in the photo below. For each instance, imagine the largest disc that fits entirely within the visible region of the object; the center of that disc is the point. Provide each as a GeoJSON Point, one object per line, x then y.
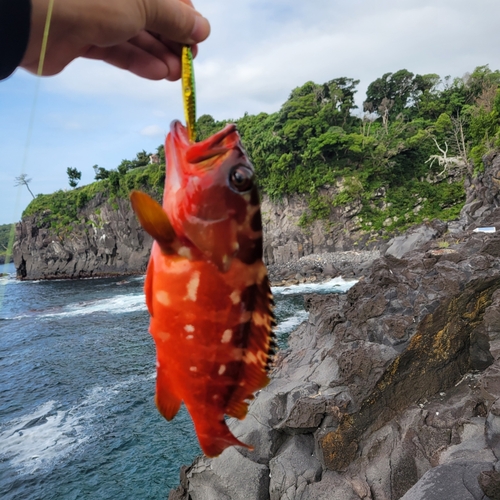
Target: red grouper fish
{"type": "Point", "coordinates": [206, 287]}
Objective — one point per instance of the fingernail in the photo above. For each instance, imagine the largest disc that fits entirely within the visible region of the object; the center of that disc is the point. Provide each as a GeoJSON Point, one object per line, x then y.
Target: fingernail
{"type": "Point", "coordinates": [201, 29]}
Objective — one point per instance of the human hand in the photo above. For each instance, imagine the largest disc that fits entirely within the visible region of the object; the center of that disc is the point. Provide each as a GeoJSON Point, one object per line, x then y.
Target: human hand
{"type": "Point", "coordinates": [141, 36]}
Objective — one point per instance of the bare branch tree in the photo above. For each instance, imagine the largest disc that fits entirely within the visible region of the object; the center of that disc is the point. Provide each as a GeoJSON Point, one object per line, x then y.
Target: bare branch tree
{"type": "Point", "coordinates": [444, 160]}
{"type": "Point", "coordinates": [383, 110]}
{"type": "Point", "coordinates": [459, 137]}
{"type": "Point", "coordinates": [23, 180]}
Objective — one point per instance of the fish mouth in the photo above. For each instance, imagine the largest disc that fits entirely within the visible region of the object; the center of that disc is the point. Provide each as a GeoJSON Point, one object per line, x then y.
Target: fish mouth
{"type": "Point", "coordinates": [179, 132]}
{"type": "Point", "coordinates": [215, 145]}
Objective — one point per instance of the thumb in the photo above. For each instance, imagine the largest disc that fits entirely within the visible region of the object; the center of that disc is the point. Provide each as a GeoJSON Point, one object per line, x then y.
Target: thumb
{"type": "Point", "coordinates": [176, 20]}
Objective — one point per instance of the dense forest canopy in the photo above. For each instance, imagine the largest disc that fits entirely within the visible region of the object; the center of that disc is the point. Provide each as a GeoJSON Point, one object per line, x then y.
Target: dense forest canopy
{"type": "Point", "coordinates": [411, 145]}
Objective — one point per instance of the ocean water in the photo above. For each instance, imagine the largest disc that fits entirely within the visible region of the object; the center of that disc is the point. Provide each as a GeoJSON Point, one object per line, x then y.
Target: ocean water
{"type": "Point", "coordinates": [77, 416]}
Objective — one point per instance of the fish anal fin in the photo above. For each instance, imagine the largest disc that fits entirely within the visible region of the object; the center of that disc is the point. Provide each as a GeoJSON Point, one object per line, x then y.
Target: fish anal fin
{"type": "Point", "coordinates": [153, 219]}
{"type": "Point", "coordinates": [237, 409]}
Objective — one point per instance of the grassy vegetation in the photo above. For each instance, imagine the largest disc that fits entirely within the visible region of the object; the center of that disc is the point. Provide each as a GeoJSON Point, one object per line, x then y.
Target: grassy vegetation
{"type": "Point", "coordinates": [400, 163]}
{"type": "Point", "coordinates": [6, 234]}
{"type": "Point", "coordinates": [61, 209]}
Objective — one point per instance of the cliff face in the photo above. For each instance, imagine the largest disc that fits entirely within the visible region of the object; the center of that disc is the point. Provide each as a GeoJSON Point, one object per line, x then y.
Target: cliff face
{"type": "Point", "coordinates": [108, 240]}
{"type": "Point", "coordinates": [286, 241]}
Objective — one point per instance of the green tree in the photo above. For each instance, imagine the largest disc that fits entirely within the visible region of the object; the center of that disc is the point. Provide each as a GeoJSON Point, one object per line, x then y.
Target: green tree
{"type": "Point", "coordinates": [74, 176]}
{"type": "Point", "coordinates": [100, 173]}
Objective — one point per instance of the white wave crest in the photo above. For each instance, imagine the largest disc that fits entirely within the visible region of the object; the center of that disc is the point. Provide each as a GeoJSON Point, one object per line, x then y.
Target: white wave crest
{"type": "Point", "coordinates": [47, 435]}
{"type": "Point", "coordinates": [335, 285]}
{"type": "Point", "coordinates": [114, 305]}
{"type": "Point", "coordinates": [37, 439]}
{"type": "Point", "coordinates": [291, 323]}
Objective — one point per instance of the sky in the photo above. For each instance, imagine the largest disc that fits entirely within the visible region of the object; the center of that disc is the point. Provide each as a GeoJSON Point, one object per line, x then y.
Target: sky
{"type": "Point", "coordinates": [258, 52]}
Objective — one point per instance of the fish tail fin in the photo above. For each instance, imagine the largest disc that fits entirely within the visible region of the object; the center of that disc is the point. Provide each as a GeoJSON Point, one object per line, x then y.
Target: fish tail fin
{"type": "Point", "coordinates": [216, 437]}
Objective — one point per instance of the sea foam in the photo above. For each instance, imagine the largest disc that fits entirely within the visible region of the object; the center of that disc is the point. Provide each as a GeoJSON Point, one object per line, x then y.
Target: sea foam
{"type": "Point", "coordinates": [336, 285]}
{"type": "Point", "coordinates": [118, 304]}
{"type": "Point", "coordinates": [49, 434]}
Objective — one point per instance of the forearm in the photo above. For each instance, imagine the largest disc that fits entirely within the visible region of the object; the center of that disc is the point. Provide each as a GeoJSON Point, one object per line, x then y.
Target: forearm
{"type": "Point", "coordinates": [14, 34]}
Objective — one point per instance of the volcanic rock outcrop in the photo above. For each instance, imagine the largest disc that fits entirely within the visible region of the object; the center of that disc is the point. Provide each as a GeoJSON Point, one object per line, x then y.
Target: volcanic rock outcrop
{"type": "Point", "coordinates": [108, 240]}
{"type": "Point", "coordinates": [389, 392]}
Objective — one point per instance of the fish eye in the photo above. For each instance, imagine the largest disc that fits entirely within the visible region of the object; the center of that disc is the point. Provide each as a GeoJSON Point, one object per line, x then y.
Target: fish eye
{"type": "Point", "coordinates": [241, 179]}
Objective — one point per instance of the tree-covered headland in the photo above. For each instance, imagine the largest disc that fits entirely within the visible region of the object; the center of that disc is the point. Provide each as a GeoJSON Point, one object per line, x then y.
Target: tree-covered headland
{"type": "Point", "coordinates": [401, 159]}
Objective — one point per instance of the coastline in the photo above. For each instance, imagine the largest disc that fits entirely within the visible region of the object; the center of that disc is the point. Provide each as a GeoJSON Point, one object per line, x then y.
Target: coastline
{"type": "Point", "coordinates": [316, 268]}
{"type": "Point", "coordinates": [313, 268]}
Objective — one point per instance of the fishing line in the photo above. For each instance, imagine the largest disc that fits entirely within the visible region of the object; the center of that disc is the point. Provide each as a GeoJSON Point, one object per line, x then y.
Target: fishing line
{"type": "Point", "coordinates": [29, 134]}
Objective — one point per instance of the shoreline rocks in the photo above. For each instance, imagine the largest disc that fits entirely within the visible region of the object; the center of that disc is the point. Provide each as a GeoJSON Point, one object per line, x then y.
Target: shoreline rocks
{"type": "Point", "coordinates": [389, 392]}
{"type": "Point", "coordinates": [320, 267]}
{"type": "Point", "coordinates": [393, 380]}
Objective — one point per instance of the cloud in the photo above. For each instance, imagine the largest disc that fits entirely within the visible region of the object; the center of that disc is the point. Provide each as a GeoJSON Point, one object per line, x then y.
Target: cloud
{"type": "Point", "coordinates": [258, 51]}
{"type": "Point", "coordinates": [153, 131]}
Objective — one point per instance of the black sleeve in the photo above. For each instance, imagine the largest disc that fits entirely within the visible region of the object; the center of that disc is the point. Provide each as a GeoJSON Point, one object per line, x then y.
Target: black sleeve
{"type": "Point", "coordinates": [15, 19]}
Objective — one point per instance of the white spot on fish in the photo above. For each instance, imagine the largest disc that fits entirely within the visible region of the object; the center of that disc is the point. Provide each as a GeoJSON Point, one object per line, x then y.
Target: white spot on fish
{"type": "Point", "coordinates": [157, 364]}
{"type": "Point", "coordinates": [176, 266]}
{"type": "Point", "coordinates": [163, 298]}
{"type": "Point", "coordinates": [235, 297]}
{"type": "Point", "coordinates": [193, 369]}
{"type": "Point", "coordinates": [192, 287]}
{"type": "Point", "coordinates": [258, 319]}
{"type": "Point", "coordinates": [164, 336]}
{"type": "Point", "coordinates": [189, 328]}
{"type": "Point", "coordinates": [226, 336]}
{"type": "Point", "coordinates": [222, 369]}
{"type": "Point", "coordinates": [189, 337]}
{"type": "Point", "coordinates": [185, 252]}
{"type": "Point", "coordinates": [250, 357]}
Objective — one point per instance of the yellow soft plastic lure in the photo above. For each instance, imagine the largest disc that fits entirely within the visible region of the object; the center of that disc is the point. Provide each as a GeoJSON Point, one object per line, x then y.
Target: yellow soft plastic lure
{"type": "Point", "coordinates": [188, 92]}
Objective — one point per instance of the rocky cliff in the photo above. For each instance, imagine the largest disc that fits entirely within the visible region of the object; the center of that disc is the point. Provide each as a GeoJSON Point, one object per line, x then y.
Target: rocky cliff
{"type": "Point", "coordinates": [389, 392]}
{"type": "Point", "coordinates": [107, 240]}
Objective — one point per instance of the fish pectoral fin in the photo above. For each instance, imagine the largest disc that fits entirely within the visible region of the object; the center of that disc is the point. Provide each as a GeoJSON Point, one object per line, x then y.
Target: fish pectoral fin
{"type": "Point", "coordinates": [168, 404]}
{"type": "Point", "coordinates": [153, 219]}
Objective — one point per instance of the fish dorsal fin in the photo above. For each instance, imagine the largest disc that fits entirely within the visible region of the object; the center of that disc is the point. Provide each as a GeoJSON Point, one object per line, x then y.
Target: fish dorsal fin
{"type": "Point", "coordinates": [153, 219]}
{"type": "Point", "coordinates": [258, 352]}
